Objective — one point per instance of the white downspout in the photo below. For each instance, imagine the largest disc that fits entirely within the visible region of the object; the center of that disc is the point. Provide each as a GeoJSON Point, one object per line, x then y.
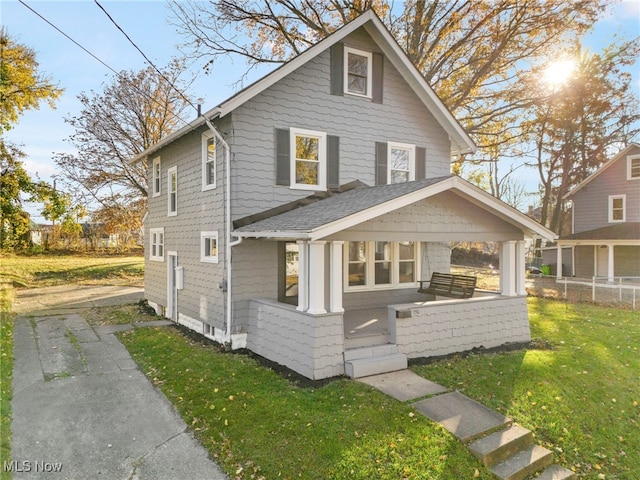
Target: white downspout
{"type": "Point", "coordinates": [228, 243]}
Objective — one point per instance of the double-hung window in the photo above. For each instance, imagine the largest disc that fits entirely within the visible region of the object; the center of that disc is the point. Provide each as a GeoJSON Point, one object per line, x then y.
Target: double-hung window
{"type": "Point", "coordinates": [156, 244]}
{"type": "Point", "coordinates": [633, 167]}
{"type": "Point", "coordinates": [172, 188]}
{"type": "Point", "coordinates": [208, 161]}
{"type": "Point", "coordinates": [357, 72]}
{"type": "Point", "coordinates": [617, 208]}
{"type": "Point", "coordinates": [308, 159]}
{"type": "Point", "coordinates": [401, 164]}
{"type": "Point", "coordinates": [380, 265]}
{"type": "Point", "coordinates": [156, 180]}
{"type": "Point", "coordinates": [209, 247]}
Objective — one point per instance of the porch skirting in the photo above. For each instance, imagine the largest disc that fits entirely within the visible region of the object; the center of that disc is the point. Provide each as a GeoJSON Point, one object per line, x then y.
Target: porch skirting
{"type": "Point", "coordinates": [444, 327]}
{"type": "Point", "coordinates": [312, 345]}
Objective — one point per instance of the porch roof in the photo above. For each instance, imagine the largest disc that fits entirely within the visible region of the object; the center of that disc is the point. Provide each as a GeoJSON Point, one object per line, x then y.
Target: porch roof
{"type": "Point", "coordinates": [344, 210]}
{"type": "Point", "coordinates": [622, 233]}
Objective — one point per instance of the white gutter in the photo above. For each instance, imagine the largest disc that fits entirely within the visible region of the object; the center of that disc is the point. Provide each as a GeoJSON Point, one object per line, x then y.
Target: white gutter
{"type": "Point", "coordinates": [227, 242]}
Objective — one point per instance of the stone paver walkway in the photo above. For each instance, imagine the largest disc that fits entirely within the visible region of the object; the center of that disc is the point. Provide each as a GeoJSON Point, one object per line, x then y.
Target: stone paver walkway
{"type": "Point", "coordinates": [506, 449]}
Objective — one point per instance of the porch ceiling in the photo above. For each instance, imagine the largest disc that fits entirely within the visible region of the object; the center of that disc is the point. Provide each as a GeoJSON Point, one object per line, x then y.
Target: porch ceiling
{"type": "Point", "coordinates": [438, 209]}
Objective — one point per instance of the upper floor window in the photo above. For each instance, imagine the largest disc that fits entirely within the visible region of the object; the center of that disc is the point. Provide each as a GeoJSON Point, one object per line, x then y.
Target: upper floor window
{"type": "Point", "coordinates": [208, 161]}
{"type": "Point", "coordinates": [156, 180]}
{"type": "Point", "coordinates": [633, 167]}
{"type": "Point", "coordinates": [209, 247]}
{"type": "Point", "coordinates": [156, 244]}
{"type": "Point", "coordinates": [357, 72]}
{"type": "Point", "coordinates": [308, 159]}
{"type": "Point", "coordinates": [401, 165]}
{"type": "Point", "coordinates": [617, 208]}
{"type": "Point", "coordinates": [172, 188]}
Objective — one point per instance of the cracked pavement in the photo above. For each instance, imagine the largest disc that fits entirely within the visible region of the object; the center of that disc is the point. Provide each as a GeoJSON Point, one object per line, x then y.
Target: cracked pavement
{"type": "Point", "coordinates": [80, 402]}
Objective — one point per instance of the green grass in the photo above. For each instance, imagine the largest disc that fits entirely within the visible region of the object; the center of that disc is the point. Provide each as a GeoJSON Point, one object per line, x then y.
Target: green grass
{"type": "Point", "coordinates": [581, 395]}
{"type": "Point", "coordinates": [48, 270]}
{"type": "Point", "coordinates": [256, 424]}
{"type": "Point", "coordinates": [6, 373]}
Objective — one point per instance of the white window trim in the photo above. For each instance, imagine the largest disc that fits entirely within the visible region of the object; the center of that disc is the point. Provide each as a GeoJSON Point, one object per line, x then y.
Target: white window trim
{"type": "Point", "coordinates": [624, 208]}
{"type": "Point", "coordinates": [630, 158]}
{"type": "Point", "coordinates": [412, 158]}
{"type": "Point", "coordinates": [205, 139]}
{"type": "Point", "coordinates": [154, 232]}
{"type": "Point", "coordinates": [156, 177]}
{"type": "Point", "coordinates": [170, 172]}
{"type": "Point", "coordinates": [203, 254]}
{"type": "Point", "coordinates": [322, 159]}
{"type": "Point", "coordinates": [369, 56]}
{"type": "Point", "coordinates": [370, 269]}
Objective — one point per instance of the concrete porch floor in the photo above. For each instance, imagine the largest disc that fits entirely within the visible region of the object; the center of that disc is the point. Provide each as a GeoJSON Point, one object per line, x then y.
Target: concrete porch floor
{"type": "Point", "coordinates": [366, 327]}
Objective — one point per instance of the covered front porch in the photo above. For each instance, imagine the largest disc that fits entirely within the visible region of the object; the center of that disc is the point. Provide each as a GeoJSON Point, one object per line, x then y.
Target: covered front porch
{"type": "Point", "coordinates": [356, 282]}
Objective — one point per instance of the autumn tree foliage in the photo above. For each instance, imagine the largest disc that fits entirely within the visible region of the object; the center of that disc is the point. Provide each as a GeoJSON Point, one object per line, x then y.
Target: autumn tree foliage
{"type": "Point", "coordinates": [22, 87]}
{"type": "Point", "coordinates": [470, 52]}
{"type": "Point", "coordinates": [585, 119]}
{"type": "Point", "coordinates": [133, 112]}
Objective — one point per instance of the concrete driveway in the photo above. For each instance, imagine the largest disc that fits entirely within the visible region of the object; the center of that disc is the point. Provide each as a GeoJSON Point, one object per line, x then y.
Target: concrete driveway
{"type": "Point", "coordinates": [82, 408]}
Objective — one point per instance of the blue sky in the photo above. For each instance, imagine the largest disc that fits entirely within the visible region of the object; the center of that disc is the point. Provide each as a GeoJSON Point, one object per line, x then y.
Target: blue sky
{"type": "Point", "coordinates": [42, 132]}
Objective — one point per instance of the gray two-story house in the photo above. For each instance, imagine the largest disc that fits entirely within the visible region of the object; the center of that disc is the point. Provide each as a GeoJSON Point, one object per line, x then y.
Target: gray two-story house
{"type": "Point", "coordinates": [605, 238]}
{"type": "Point", "coordinates": [296, 218]}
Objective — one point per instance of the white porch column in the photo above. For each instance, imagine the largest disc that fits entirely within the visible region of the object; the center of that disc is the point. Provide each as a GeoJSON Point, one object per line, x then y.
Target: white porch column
{"type": "Point", "coordinates": [303, 277]}
{"type": "Point", "coordinates": [335, 277]}
{"type": "Point", "coordinates": [316, 277]}
{"type": "Point", "coordinates": [610, 269]}
{"type": "Point", "coordinates": [558, 261]}
{"type": "Point", "coordinates": [521, 270]}
{"type": "Point", "coordinates": [508, 268]}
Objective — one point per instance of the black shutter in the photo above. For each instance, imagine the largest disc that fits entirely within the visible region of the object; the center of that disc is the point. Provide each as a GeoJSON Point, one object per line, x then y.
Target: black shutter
{"type": "Point", "coordinates": [337, 69]}
{"type": "Point", "coordinates": [283, 157]}
{"type": "Point", "coordinates": [378, 74]}
{"type": "Point", "coordinates": [381, 163]}
{"type": "Point", "coordinates": [333, 161]}
{"type": "Point", "coordinates": [421, 163]}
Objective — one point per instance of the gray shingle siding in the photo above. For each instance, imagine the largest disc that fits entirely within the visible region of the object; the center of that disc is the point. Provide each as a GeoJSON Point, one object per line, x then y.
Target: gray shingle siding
{"type": "Point", "coordinates": [303, 100]}
{"type": "Point", "coordinates": [591, 203]}
{"type": "Point", "coordinates": [198, 211]}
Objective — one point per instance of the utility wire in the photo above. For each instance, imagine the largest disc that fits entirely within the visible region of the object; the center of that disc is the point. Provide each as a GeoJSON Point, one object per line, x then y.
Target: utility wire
{"type": "Point", "coordinates": [67, 36]}
{"type": "Point", "coordinates": [140, 91]}
{"type": "Point", "coordinates": [146, 58]}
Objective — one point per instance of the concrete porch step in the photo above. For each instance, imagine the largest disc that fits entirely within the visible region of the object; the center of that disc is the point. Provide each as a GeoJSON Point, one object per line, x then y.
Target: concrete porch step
{"type": "Point", "coordinates": [524, 463]}
{"type": "Point", "coordinates": [556, 472]}
{"type": "Point", "coordinates": [370, 351]}
{"type": "Point", "coordinates": [367, 361]}
{"type": "Point", "coordinates": [352, 342]}
{"type": "Point", "coordinates": [501, 445]}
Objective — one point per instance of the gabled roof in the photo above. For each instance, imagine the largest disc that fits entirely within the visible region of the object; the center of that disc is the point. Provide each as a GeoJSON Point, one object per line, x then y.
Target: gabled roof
{"type": "Point", "coordinates": [622, 154]}
{"type": "Point", "coordinates": [338, 212]}
{"type": "Point", "coordinates": [461, 141]}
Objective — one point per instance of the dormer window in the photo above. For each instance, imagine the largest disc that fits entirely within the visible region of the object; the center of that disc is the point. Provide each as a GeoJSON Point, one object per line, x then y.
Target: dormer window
{"type": "Point", "coordinates": [358, 72]}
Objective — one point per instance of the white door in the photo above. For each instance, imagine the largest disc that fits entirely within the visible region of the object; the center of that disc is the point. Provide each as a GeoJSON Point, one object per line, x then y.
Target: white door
{"type": "Point", "coordinates": [172, 290]}
{"type": "Point", "coordinates": [602, 261]}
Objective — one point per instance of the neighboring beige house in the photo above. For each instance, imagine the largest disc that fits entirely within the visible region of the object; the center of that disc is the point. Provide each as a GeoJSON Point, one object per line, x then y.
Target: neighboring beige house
{"type": "Point", "coordinates": [297, 218]}
{"type": "Point", "coordinates": [605, 239]}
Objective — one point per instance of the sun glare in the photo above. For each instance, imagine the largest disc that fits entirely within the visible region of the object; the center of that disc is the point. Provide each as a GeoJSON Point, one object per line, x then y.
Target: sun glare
{"type": "Point", "coordinates": [557, 73]}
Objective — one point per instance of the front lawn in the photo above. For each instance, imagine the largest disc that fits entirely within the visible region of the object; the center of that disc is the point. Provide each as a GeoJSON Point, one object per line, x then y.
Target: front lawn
{"type": "Point", "coordinates": [6, 376]}
{"type": "Point", "coordinates": [256, 424]}
{"type": "Point", "coordinates": [47, 270]}
{"type": "Point", "coordinates": [579, 392]}
{"type": "Point", "coordinates": [578, 389]}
